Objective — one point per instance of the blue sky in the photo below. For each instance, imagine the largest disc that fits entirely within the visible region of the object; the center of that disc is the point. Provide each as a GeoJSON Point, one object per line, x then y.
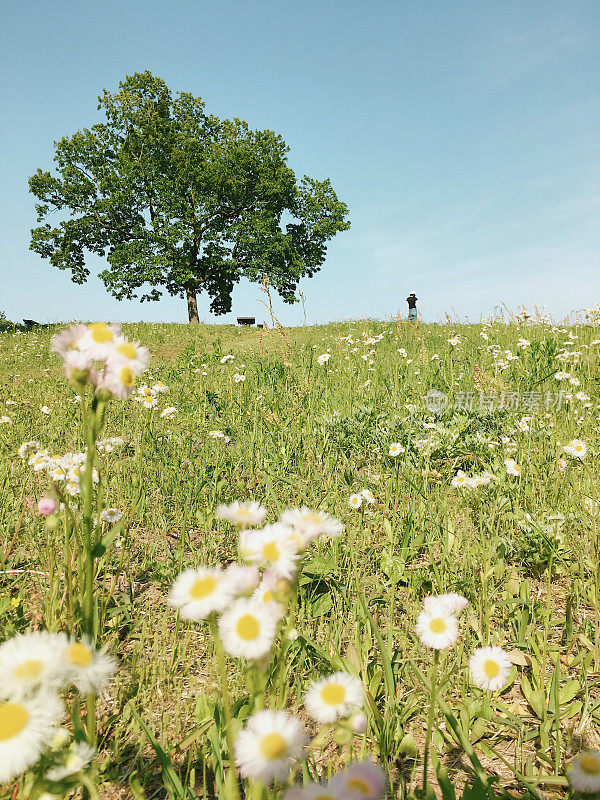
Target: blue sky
{"type": "Point", "coordinates": [464, 137]}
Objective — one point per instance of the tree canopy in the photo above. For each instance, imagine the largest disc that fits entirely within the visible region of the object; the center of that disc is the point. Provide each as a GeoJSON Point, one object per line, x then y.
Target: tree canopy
{"type": "Point", "coordinates": [180, 201]}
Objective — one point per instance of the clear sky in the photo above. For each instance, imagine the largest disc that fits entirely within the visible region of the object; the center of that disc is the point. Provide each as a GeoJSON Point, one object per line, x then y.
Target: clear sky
{"type": "Point", "coordinates": [463, 135]}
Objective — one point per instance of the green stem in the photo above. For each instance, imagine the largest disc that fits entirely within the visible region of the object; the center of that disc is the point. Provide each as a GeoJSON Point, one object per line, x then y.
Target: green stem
{"type": "Point", "coordinates": [434, 675]}
{"type": "Point", "coordinates": [88, 592]}
{"type": "Point", "coordinates": [222, 668]}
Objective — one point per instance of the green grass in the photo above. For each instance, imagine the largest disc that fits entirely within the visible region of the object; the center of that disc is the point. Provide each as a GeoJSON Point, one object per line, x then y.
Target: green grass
{"type": "Point", "coordinates": [305, 434]}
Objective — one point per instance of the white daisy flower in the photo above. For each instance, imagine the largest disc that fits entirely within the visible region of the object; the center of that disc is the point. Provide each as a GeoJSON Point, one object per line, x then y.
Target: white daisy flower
{"type": "Point", "coordinates": [455, 603]}
{"type": "Point", "coordinates": [264, 594]}
{"type": "Point", "coordinates": [46, 410]}
{"type": "Point", "coordinates": [89, 669]}
{"type": "Point", "coordinates": [311, 524]}
{"type": "Point", "coordinates": [512, 468]}
{"type": "Point", "coordinates": [111, 515]}
{"type": "Point", "coordinates": [57, 473]}
{"type": "Point", "coordinates": [436, 625]}
{"type": "Point", "coordinates": [199, 592]}
{"type": "Point", "coordinates": [119, 379]}
{"type": "Point", "coordinates": [168, 412]}
{"type": "Point", "coordinates": [323, 359]}
{"type": "Point", "coordinates": [489, 667]}
{"type": "Point", "coordinates": [247, 629]}
{"type": "Point", "coordinates": [30, 661]}
{"type": "Point", "coordinates": [273, 546]}
{"type": "Point", "coordinates": [39, 460]}
{"type": "Point", "coordinates": [576, 448]}
{"type": "Point", "coordinates": [159, 388]}
{"type": "Point", "coordinates": [77, 365]}
{"type": "Point", "coordinates": [99, 340]}
{"type": "Point", "coordinates": [68, 340]}
{"type": "Point", "coordinates": [460, 480]}
{"type": "Point", "coordinates": [239, 377]}
{"type": "Point", "coordinates": [244, 515]}
{"type": "Point", "coordinates": [226, 358]}
{"type": "Point", "coordinates": [242, 579]}
{"type": "Point", "coordinates": [133, 354]}
{"type": "Point", "coordinates": [355, 501]}
{"type": "Point", "coordinates": [6, 420]}
{"type": "Point", "coordinates": [396, 449]}
{"type": "Point", "coordinates": [79, 756]}
{"type": "Point", "coordinates": [26, 730]}
{"type": "Point", "coordinates": [334, 697]}
{"type": "Point", "coordinates": [364, 780]}
{"type": "Point", "coordinates": [583, 773]}
{"type": "Point", "coordinates": [270, 743]}
{"type": "Point", "coordinates": [28, 447]}
{"type": "Point", "coordinates": [368, 496]}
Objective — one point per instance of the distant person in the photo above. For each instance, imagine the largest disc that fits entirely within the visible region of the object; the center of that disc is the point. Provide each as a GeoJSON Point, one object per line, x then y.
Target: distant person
{"type": "Point", "coordinates": [413, 306]}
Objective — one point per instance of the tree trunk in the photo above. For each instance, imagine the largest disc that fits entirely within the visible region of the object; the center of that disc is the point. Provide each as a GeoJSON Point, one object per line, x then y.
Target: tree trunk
{"type": "Point", "coordinates": [192, 304]}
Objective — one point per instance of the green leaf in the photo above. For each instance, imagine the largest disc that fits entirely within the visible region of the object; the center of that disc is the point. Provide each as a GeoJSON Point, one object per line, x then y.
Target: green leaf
{"type": "Point", "coordinates": [441, 773]}
{"type": "Point", "coordinates": [569, 691]}
{"type": "Point", "coordinates": [107, 540]}
{"type": "Point", "coordinates": [170, 776]}
{"type": "Point", "coordinates": [390, 681]}
{"type": "Point", "coordinates": [535, 697]}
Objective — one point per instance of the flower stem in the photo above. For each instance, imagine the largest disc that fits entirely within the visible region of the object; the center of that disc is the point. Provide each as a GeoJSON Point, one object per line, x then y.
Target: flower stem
{"type": "Point", "coordinates": [433, 682]}
{"type": "Point", "coordinates": [222, 668]}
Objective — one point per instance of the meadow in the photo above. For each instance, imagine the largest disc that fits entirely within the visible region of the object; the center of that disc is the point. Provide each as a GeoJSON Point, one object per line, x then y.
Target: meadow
{"type": "Point", "coordinates": [466, 492]}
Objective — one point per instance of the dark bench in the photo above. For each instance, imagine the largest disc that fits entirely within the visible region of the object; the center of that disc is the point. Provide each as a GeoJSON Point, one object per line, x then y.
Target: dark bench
{"type": "Point", "coordinates": [246, 320]}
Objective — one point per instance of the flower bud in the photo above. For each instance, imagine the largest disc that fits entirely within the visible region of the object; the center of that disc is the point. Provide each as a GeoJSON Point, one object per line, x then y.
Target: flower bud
{"type": "Point", "coordinates": [342, 735]}
{"type": "Point", "coordinates": [47, 506]}
{"type": "Point", "coordinates": [359, 723]}
{"type": "Point", "coordinates": [52, 522]}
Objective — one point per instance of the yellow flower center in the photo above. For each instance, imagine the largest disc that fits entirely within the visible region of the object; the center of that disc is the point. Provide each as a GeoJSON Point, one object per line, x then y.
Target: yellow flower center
{"type": "Point", "coordinates": [243, 513]}
{"type": "Point", "coordinates": [358, 785]}
{"type": "Point", "coordinates": [271, 551]}
{"type": "Point", "coordinates": [438, 625]}
{"type": "Point", "coordinates": [590, 764]}
{"type": "Point", "coordinates": [29, 670]}
{"type": "Point", "coordinates": [268, 596]}
{"type": "Point", "coordinates": [491, 667]}
{"type": "Point", "coordinates": [13, 718]}
{"type": "Point", "coordinates": [127, 377]}
{"type": "Point", "coordinates": [273, 746]}
{"type": "Point", "coordinates": [333, 694]}
{"type": "Point", "coordinates": [311, 518]}
{"type": "Point", "coordinates": [248, 627]}
{"type": "Point", "coordinates": [203, 587]}
{"type": "Point", "coordinates": [324, 797]}
{"type": "Point", "coordinates": [127, 349]}
{"type": "Point", "coordinates": [101, 333]}
{"type": "Point", "coordinates": [79, 655]}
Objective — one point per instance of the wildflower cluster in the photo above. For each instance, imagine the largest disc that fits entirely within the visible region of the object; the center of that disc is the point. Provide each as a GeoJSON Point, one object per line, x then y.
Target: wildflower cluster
{"type": "Point", "coordinates": [34, 669]}
{"type": "Point", "coordinates": [246, 606]}
{"type": "Point", "coordinates": [101, 355]}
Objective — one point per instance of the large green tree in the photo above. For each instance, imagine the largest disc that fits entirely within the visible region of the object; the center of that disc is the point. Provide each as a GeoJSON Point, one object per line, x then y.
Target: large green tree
{"type": "Point", "coordinates": [180, 201]}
